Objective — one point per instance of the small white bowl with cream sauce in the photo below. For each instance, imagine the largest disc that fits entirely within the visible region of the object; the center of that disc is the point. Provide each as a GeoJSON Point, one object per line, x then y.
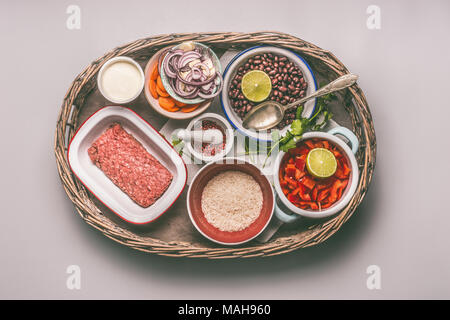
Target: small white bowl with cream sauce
{"type": "Point", "coordinates": [121, 80]}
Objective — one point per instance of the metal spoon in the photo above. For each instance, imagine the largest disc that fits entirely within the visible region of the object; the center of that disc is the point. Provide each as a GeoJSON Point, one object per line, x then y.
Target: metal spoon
{"type": "Point", "coordinates": [268, 114]}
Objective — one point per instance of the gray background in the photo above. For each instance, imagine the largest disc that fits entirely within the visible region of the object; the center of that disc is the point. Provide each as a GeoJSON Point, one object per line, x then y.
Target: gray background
{"type": "Point", "coordinates": [401, 226]}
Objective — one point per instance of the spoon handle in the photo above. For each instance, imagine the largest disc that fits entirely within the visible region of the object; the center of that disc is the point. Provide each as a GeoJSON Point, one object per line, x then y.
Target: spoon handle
{"type": "Point", "coordinates": [340, 83]}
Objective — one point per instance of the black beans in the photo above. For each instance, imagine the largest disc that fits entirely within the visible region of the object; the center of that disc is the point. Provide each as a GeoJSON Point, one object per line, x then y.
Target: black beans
{"type": "Point", "coordinates": [287, 79]}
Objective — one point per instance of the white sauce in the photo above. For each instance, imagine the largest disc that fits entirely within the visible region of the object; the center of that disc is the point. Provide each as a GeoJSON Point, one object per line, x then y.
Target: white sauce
{"type": "Point", "coordinates": [121, 81]}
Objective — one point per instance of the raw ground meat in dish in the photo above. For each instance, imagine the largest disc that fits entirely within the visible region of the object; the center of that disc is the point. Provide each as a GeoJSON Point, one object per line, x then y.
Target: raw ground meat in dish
{"type": "Point", "coordinates": [126, 162]}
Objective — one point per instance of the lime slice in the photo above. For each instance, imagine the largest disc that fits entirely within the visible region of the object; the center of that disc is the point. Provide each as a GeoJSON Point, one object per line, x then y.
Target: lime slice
{"type": "Point", "coordinates": [256, 85]}
{"type": "Point", "coordinates": [321, 163]}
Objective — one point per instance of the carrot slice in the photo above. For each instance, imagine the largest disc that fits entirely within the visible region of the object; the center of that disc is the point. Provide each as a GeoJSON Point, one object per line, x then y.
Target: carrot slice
{"type": "Point", "coordinates": [152, 87]}
{"type": "Point", "coordinates": [155, 73]}
{"type": "Point", "coordinates": [170, 109]}
{"type": "Point", "coordinates": [159, 83]}
{"type": "Point", "coordinates": [189, 108]}
{"type": "Point", "coordinates": [180, 104]}
{"type": "Point", "coordinates": [162, 93]}
{"type": "Point", "coordinates": [166, 103]}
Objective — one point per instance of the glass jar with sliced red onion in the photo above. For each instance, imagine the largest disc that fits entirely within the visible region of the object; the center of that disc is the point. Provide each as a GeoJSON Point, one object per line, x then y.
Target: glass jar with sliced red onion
{"type": "Point", "coordinates": [191, 72]}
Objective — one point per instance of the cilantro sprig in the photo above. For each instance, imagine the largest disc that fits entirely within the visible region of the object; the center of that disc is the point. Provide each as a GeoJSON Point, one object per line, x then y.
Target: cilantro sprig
{"type": "Point", "coordinates": [301, 125]}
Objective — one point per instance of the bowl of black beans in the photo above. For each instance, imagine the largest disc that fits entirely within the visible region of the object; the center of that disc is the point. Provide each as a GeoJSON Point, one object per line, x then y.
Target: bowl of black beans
{"type": "Point", "coordinates": [291, 79]}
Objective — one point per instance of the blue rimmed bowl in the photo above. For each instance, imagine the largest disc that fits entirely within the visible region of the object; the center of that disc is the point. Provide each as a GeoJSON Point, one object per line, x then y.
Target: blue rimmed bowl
{"type": "Point", "coordinates": [239, 60]}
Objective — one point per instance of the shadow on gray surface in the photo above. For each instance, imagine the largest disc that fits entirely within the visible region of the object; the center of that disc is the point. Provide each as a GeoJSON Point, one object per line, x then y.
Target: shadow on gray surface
{"type": "Point", "coordinates": [335, 249]}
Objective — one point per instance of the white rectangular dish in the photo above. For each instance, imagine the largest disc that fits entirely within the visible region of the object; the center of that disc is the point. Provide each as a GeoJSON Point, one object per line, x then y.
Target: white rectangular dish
{"type": "Point", "coordinates": [102, 187]}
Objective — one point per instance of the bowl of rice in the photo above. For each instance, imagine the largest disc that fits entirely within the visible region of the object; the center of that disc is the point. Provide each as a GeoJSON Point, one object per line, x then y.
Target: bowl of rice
{"type": "Point", "coordinates": [230, 201]}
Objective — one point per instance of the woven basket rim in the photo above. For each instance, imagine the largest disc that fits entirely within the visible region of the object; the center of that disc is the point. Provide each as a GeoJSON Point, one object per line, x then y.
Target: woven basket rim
{"type": "Point", "coordinates": [81, 86]}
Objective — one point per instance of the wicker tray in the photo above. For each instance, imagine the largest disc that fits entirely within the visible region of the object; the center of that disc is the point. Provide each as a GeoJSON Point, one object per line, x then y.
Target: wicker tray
{"type": "Point", "coordinates": [173, 234]}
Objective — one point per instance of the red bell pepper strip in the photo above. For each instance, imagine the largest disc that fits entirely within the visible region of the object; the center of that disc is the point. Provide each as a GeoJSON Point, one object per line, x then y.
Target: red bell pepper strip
{"type": "Point", "coordinates": [334, 194]}
{"type": "Point", "coordinates": [314, 193]}
{"type": "Point", "coordinates": [323, 195]}
{"type": "Point", "coordinates": [290, 170]}
{"type": "Point", "coordinates": [336, 153]}
{"type": "Point", "coordinates": [310, 144]}
{"type": "Point", "coordinates": [299, 174]}
{"type": "Point", "coordinates": [340, 172]}
{"type": "Point", "coordinates": [308, 182]}
{"type": "Point", "coordinates": [291, 183]}
{"type": "Point", "coordinates": [300, 163]}
{"type": "Point", "coordinates": [345, 168]}
{"type": "Point", "coordinates": [326, 205]}
{"type": "Point", "coordinates": [314, 206]}
{"type": "Point", "coordinates": [310, 204]}
{"type": "Point", "coordinates": [296, 191]}
{"type": "Point", "coordinates": [305, 196]}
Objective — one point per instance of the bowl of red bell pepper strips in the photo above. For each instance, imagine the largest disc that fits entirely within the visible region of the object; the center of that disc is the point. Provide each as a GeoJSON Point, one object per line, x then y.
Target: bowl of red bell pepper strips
{"type": "Point", "coordinates": [312, 197]}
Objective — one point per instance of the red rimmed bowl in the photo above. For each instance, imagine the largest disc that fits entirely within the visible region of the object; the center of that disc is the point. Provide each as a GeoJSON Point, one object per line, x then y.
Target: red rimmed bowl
{"type": "Point", "coordinates": [195, 208]}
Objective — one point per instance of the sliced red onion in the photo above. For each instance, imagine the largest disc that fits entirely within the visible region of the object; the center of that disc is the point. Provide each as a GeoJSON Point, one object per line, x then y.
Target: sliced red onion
{"type": "Point", "coordinates": [195, 83]}
{"type": "Point", "coordinates": [207, 87]}
{"type": "Point", "coordinates": [168, 67]}
{"type": "Point", "coordinates": [195, 80]}
{"type": "Point", "coordinates": [202, 66]}
{"type": "Point", "coordinates": [211, 95]}
{"type": "Point", "coordinates": [161, 57]}
{"type": "Point", "coordinates": [183, 92]}
{"type": "Point", "coordinates": [188, 57]}
{"type": "Point", "coordinates": [196, 73]}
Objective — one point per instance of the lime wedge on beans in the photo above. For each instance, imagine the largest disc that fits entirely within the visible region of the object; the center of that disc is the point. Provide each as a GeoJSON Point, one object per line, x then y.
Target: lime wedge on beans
{"type": "Point", "coordinates": [256, 85]}
{"type": "Point", "coordinates": [321, 163]}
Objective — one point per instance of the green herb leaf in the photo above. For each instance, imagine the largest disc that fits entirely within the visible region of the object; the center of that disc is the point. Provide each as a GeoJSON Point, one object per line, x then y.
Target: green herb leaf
{"type": "Point", "coordinates": [298, 113]}
{"type": "Point", "coordinates": [178, 145]}
{"type": "Point", "coordinates": [296, 127]}
{"type": "Point", "coordinates": [300, 125]}
{"type": "Point", "coordinates": [288, 145]}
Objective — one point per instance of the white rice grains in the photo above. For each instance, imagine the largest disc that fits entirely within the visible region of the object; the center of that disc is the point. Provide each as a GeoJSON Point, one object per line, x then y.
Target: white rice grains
{"type": "Point", "coordinates": [231, 201]}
